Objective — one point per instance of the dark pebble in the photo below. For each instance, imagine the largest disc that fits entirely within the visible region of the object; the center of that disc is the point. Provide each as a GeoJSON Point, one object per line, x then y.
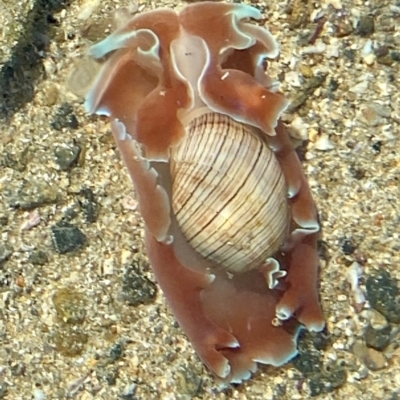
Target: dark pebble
{"type": "Point", "coordinates": [350, 54]}
{"type": "Point", "coordinates": [5, 252]}
{"type": "Point", "coordinates": [67, 157]}
{"type": "Point", "coordinates": [377, 146]}
{"type": "Point", "coordinates": [32, 194]}
{"type": "Point", "coordinates": [116, 351]}
{"type": "Point", "coordinates": [366, 26]}
{"type": "Point", "coordinates": [89, 205]}
{"type": "Point", "coordinates": [385, 60]}
{"type": "Point", "coordinates": [108, 374]}
{"type": "Point", "coordinates": [38, 257]}
{"type": "Point", "coordinates": [64, 118]}
{"type": "Point", "coordinates": [67, 237]}
{"type": "Point", "coordinates": [129, 392]}
{"type": "Point", "coordinates": [299, 14]}
{"type": "Point", "coordinates": [189, 382]}
{"type": "Point", "coordinates": [308, 361]}
{"type": "Point", "coordinates": [305, 92]}
{"type": "Point", "coordinates": [373, 359]}
{"type": "Point", "coordinates": [137, 289]}
{"type": "Point", "coordinates": [333, 85]}
{"type": "Point", "coordinates": [327, 381]}
{"type": "Point", "coordinates": [71, 212]}
{"type": "Point", "coordinates": [395, 56]}
{"type": "Point", "coordinates": [343, 28]}
{"type": "Point", "coordinates": [395, 395]}
{"type": "Point", "coordinates": [18, 369]}
{"type": "Point", "coordinates": [357, 173]}
{"type": "Point", "coordinates": [320, 340]}
{"type": "Point", "coordinates": [348, 247]}
{"type": "Point", "coordinates": [52, 20]}
{"type": "Point", "coordinates": [17, 162]}
{"type": "Point", "coordinates": [3, 390]}
{"type": "Point", "coordinates": [381, 51]}
{"type": "Point", "coordinates": [323, 250]}
{"type": "Point", "coordinates": [378, 338]}
{"type": "Point", "coordinates": [94, 30]}
{"type": "Point", "coordinates": [3, 220]}
{"type": "Point", "coordinates": [383, 295]}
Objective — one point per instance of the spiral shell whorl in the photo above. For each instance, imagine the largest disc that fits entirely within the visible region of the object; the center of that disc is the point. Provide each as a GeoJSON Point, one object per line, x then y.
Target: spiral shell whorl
{"type": "Point", "coordinates": [229, 193]}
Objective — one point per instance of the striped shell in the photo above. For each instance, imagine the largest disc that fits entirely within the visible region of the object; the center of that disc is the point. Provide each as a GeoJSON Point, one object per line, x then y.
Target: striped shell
{"type": "Point", "coordinates": [229, 193]}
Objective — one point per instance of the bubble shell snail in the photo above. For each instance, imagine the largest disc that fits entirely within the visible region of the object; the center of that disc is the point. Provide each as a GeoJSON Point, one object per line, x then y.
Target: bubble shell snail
{"type": "Point", "coordinates": [231, 227]}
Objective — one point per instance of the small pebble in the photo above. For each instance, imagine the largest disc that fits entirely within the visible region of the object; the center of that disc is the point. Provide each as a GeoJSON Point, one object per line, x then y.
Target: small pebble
{"type": "Point", "coordinates": [81, 76]}
{"type": "Point", "coordinates": [372, 115]}
{"type": "Point", "coordinates": [64, 118]}
{"type": "Point", "coordinates": [343, 28]}
{"type": "Point", "coordinates": [337, 4]}
{"type": "Point", "coordinates": [89, 205]}
{"type": "Point", "coordinates": [383, 295]}
{"type": "Point", "coordinates": [38, 394]}
{"type": "Point", "coordinates": [306, 71]}
{"type": "Point", "coordinates": [3, 390]}
{"type": "Point", "coordinates": [371, 358]}
{"type": "Point", "coordinates": [300, 128]}
{"type": "Point", "coordinates": [395, 55]}
{"type": "Point", "coordinates": [51, 95]}
{"type": "Point", "coordinates": [315, 49]}
{"type": "Point", "coordinates": [366, 26]}
{"type": "Point", "coordinates": [328, 380]}
{"type": "Point", "coordinates": [87, 8]}
{"type": "Point", "coordinates": [188, 381]}
{"type": "Point", "coordinates": [377, 320]}
{"type": "Point", "coordinates": [293, 78]}
{"type": "Point", "coordinates": [348, 247]}
{"type": "Point", "coordinates": [129, 392]}
{"type": "Point", "coordinates": [381, 51]}
{"type": "Point", "coordinates": [67, 237]}
{"type": "Point", "coordinates": [385, 60]}
{"type": "Point", "coordinates": [67, 156]}
{"type": "Point", "coordinates": [369, 59]}
{"type": "Point", "coordinates": [367, 49]}
{"type": "Point", "coordinates": [70, 306]}
{"type": "Point", "coordinates": [360, 87]}
{"type": "Point", "coordinates": [32, 221]}
{"type": "Point", "coordinates": [378, 339]}
{"type": "Point", "coordinates": [5, 252]}
{"type": "Point", "coordinates": [136, 288]}
{"type": "Point", "coordinates": [342, 297]}
{"type": "Point", "coordinates": [31, 194]}
{"type": "Point", "coordinates": [38, 257]}
{"type": "Point", "coordinates": [323, 143]}
{"type": "Point", "coordinates": [332, 51]}
{"type": "Point", "coordinates": [353, 275]}
{"type": "Point", "coordinates": [69, 340]}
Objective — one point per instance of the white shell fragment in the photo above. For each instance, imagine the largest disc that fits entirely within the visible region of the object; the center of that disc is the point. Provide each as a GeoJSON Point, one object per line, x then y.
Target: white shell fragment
{"type": "Point", "coordinates": [353, 275]}
{"type": "Point", "coordinates": [323, 143]}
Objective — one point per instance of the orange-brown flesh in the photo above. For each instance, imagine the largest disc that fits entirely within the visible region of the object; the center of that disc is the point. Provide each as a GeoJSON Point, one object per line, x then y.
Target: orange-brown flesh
{"type": "Point", "coordinates": [228, 320]}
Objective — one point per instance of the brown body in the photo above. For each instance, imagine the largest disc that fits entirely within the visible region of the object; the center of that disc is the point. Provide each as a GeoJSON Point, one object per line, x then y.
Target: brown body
{"type": "Point", "coordinates": [231, 227]}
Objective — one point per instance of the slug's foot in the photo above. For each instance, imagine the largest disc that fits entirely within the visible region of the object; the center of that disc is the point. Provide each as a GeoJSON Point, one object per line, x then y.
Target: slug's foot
{"type": "Point", "coordinates": [210, 349]}
{"type": "Point", "coordinates": [228, 320]}
{"type": "Point", "coordinates": [182, 288]}
{"type": "Point", "coordinates": [300, 299]}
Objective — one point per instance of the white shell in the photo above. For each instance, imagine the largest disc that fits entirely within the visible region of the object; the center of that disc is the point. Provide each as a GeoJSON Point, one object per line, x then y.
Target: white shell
{"type": "Point", "coordinates": [229, 193]}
